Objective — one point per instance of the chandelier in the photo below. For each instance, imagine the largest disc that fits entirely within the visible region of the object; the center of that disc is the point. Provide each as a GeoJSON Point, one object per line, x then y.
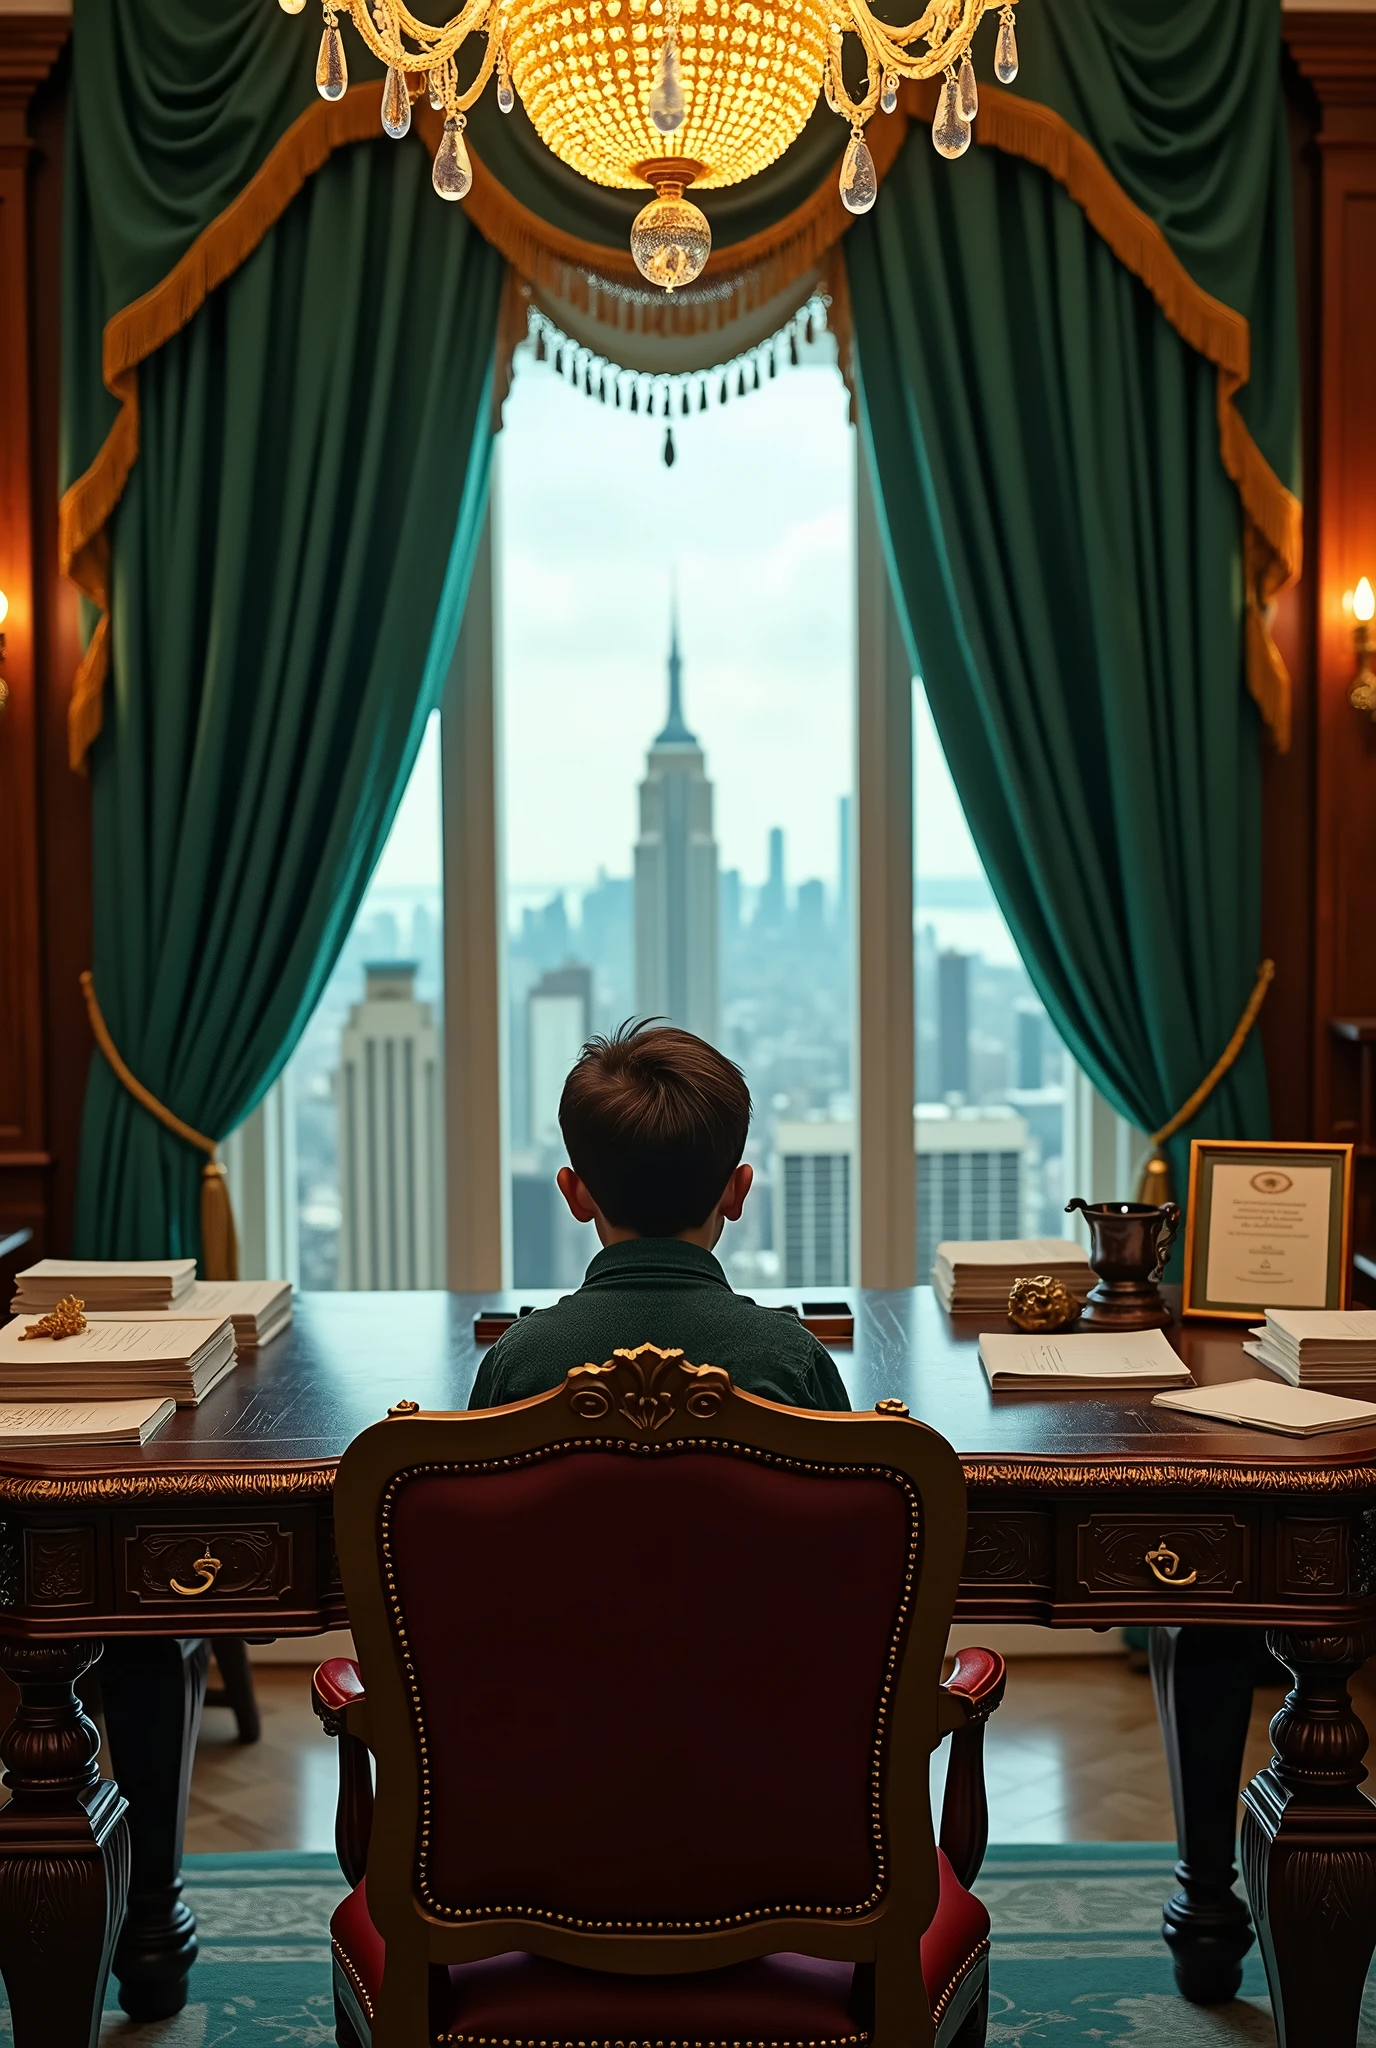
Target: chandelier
{"type": "Point", "coordinates": [669, 93]}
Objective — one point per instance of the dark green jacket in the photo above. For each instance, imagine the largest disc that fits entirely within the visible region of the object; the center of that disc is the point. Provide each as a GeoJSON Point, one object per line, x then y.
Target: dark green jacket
{"type": "Point", "coordinates": [658, 1290]}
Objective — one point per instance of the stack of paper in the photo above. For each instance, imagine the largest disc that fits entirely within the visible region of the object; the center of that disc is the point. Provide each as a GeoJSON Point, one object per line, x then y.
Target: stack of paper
{"type": "Point", "coordinates": [1136, 1358]}
{"type": "Point", "coordinates": [31, 1426]}
{"type": "Point", "coordinates": [1318, 1347]}
{"type": "Point", "coordinates": [975, 1279]}
{"type": "Point", "coordinates": [134, 1286]}
{"type": "Point", "coordinates": [1261, 1404]}
{"type": "Point", "coordinates": [164, 1357]}
{"type": "Point", "coordinates": [258, 1309]}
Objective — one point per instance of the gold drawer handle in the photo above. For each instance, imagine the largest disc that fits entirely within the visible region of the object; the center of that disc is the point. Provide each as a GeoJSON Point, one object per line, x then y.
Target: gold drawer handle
{"type": "Point", "coordinates": [1163, 1555]}
{"type": "Point", "coordinates": [209, 1568]}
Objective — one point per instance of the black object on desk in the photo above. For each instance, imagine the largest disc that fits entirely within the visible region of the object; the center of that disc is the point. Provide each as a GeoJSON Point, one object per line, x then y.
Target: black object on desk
{"type": "Point", "coordinates": [1097, 1511]}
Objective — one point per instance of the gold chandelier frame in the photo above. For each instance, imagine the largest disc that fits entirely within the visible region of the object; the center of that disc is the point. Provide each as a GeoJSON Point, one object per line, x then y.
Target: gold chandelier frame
{"type": "Point", "coordinates": [757, 68]}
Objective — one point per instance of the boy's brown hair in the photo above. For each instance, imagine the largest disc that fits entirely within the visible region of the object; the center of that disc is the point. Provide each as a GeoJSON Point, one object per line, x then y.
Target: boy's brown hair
{"type": "Point", "coordinates": [655, 1122]}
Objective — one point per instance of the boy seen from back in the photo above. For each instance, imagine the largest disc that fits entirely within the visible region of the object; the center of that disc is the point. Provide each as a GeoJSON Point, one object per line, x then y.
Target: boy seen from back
{"type": "Point", "coordinates": [655, 1122]}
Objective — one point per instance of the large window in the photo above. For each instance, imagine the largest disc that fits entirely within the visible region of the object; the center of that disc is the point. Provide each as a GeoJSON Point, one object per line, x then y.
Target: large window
{"type": "Point", "coordinates": [991, 1071]}
{"type": "Point", "coordinates": [677, 699]}
{"type": "Point", "coordinates": [650, 810]}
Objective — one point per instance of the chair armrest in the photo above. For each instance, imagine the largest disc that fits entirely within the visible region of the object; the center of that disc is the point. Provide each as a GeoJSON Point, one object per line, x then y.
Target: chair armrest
{"type": "Point", "coordinates": [979, 1679]}
{"type": "Point", "coordinates": [338, 1698]}
{"type": "Point", "coordinates": [336, 1685]}
{"type": "Point", "coordinates": [969, 1696]}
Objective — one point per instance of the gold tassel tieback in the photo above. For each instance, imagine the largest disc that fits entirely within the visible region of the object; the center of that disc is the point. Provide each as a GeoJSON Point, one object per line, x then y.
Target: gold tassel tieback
{"type": "Point", "coordinates": [219, 1244]}
{"type": "Point", "coordinates": [1156, 1175]}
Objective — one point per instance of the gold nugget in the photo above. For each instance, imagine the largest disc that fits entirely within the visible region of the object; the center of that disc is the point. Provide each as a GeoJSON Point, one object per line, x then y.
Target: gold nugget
{"type": "Point", "coordinates": [66, 1320]}
{"type": "Point", "coordinates": [1040, 1302]}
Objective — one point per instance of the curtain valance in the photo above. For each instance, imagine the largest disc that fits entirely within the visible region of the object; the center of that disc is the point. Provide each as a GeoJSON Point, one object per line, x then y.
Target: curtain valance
{"type": "Point", "coordinates": [196, 123]}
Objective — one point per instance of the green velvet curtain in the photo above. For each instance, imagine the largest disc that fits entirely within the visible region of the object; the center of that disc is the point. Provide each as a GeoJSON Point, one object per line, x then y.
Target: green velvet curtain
{"type": "Point", "coordinates": [290, 559]}
{"type": "Point", "coordinates": [1065, 544]}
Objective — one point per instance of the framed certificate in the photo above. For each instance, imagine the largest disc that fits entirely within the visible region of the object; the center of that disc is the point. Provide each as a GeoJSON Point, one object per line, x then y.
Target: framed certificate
{"type": "Point", "coordinates": [1269, 1226]}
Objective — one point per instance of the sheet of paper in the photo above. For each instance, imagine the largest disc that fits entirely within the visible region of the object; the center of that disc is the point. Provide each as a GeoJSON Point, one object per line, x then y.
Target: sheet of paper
{"type": "Point", "coordinates": [1083, 1358]}
{"type": "Point", "coordinates": [1267, 1404]}
{"type": "Point", "coordinates": [1052, 1251]}
{"type": "Point", "coordinates": [1327, 1325]}
{"type": "Point", "coordinates": [110, 1269]}
{"type": "Point", "coordinates": [217, 1298]}
{"type": "Point", "coordinates": [175, 1338]}
{"type": "Point", "coordinates": [74, 1419]}
{"type": "Point", "coordinates": [1268, 1235]}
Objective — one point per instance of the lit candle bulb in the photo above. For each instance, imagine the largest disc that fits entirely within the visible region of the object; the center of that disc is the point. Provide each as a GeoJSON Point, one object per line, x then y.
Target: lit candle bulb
{"type": "Point", "coordinates": [1362, 695]}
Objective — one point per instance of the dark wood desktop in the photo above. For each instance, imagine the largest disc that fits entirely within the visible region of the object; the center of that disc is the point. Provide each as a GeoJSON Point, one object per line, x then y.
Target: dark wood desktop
{"type": "Point", "coordinates": [1084, 1510]}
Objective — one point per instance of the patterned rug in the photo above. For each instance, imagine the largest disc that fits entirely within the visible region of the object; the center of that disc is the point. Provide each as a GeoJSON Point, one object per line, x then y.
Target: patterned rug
{"type": "Point", "coordinates": [1077, 1956]}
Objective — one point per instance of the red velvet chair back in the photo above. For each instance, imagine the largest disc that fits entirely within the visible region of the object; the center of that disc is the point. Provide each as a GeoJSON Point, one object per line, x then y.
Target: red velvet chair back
{"type": "Point", "coordinates": [651, 1668]}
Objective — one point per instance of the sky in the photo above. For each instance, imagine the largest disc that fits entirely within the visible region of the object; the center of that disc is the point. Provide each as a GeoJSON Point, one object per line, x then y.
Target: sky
{"type": "Point", "coordinates": [755, 525]}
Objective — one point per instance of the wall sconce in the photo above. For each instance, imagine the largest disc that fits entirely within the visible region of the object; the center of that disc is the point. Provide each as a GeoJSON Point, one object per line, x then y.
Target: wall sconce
{"type": "Point", "coordinates": [1362, 695]}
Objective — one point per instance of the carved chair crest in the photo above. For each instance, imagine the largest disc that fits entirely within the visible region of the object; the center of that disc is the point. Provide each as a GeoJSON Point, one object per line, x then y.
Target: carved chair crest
{"type": "Point", "coordinates": [647, 1388]}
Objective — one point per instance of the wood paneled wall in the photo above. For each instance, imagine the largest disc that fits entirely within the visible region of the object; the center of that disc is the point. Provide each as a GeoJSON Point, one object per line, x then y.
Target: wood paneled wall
{"type": "Point", "coordinates": [45, 916]}
{"type": "Point", "coordinates": [1320, 798]}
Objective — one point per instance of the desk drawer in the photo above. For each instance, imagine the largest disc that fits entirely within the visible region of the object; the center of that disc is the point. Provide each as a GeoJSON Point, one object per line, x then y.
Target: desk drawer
{"type": "Point", "coordinates": [205, 1564]}
{"type": "Point", "coordinates": [1141, 1553]}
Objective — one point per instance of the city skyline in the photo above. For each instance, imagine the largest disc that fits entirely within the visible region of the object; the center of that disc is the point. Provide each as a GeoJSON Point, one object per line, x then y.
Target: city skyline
{"type": "Point", "coordinates": [770, 660]}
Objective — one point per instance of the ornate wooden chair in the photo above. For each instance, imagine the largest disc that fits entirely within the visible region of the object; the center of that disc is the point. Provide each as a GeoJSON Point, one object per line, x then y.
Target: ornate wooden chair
{"type": "Point", "coordinates": [652, 1686]}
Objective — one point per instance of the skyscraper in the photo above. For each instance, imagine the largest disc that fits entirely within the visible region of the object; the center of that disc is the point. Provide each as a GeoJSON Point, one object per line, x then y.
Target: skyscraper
{"type": "Point", "coordinates": [391, 1135]}
{"type": "Point", "coordinates": [773, 896]}
{"type": "Point", "coordinates": [953, 1023]}
{"type": "Point", "coordinates": [559, 1009]}
{"type": "Point", "coordinates": [676, 910]}
{"type": "Point", "coordinates": [812, 1201]}
{"type": "Point", "coordinates": [1030, 1017]}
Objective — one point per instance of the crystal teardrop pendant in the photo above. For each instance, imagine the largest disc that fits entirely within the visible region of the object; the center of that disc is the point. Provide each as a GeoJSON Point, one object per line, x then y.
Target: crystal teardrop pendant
{"type": "Point", "coordinates": [670, 239]}
{"type": "Point", "coordinates": [453, 173]}
{"type": "Point", "coordinates": [967, 89]}
{"type": "Point", "coordinates": [859, 186]}
{"type": "Point", "coordinates": [291, 6]}
{"type": "Point", "coordinates": [436, 92]}
{"type": "Point", "coordinates": [1006, 52]}
{"type": "Point", "coordinates": [396, 103]}
{"type": "Point", "coordinates": [331, 72]}
{"type": "Point", "coordinates": [888, 97]}
{"type": "Point", "coordinates": [666, 94]}
{"type": "Point", "coordinates": [506, 93]}
{"type": "Point", "coordinates": [950, 135]}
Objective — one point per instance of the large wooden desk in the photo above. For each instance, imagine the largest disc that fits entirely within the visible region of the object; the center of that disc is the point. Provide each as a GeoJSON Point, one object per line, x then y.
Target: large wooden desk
{"type": "Point", "coordinates": [1068, 1496]}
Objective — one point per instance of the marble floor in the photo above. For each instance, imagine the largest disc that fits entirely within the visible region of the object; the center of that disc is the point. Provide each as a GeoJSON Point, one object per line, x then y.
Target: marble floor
{"type": "Point", "coordinates": [1073, 1754]}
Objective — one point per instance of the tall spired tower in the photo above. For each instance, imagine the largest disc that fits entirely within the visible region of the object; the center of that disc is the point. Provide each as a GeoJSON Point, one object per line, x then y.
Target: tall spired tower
{"type": "Point", "coordinates": [676, 875]}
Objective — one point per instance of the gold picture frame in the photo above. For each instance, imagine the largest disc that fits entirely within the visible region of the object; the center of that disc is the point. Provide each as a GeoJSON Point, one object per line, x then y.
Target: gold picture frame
{"type": "Point", "coordinates": [1269, 1161]}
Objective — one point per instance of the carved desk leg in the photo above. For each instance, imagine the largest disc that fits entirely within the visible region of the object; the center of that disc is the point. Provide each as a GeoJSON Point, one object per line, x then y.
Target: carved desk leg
{"type": "Point", "coordinates": [1309, 1846]}
{"type": "Point", "coordinates": [64, 1853]}
{"type": "Point", "coordinates": [153, 1689]}
{"type": "Point", "coordinates": [1203, 1683]}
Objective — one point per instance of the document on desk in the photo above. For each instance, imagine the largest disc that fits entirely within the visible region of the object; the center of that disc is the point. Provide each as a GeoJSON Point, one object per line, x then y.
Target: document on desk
{"type": "Point", "coordinates": [28, 1425]}
{"type": "Point", "coordinates": [1261, 1404]}
{"type": "Point", "coordinates": [1134, 1358]}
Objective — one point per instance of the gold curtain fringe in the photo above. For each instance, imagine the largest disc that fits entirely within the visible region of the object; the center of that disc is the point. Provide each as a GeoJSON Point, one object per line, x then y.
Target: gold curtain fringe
{"type": "Point", "coordinates": [604, 282]}
{"type": "Point", "coordinates": [219, 1241]}
{"type": "Point", "coordinates": [1156, 1175]}
{"type": "Point", "coordinates": [140, 329]}
{"type": "Point", "coordinates": [1027, 129]}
